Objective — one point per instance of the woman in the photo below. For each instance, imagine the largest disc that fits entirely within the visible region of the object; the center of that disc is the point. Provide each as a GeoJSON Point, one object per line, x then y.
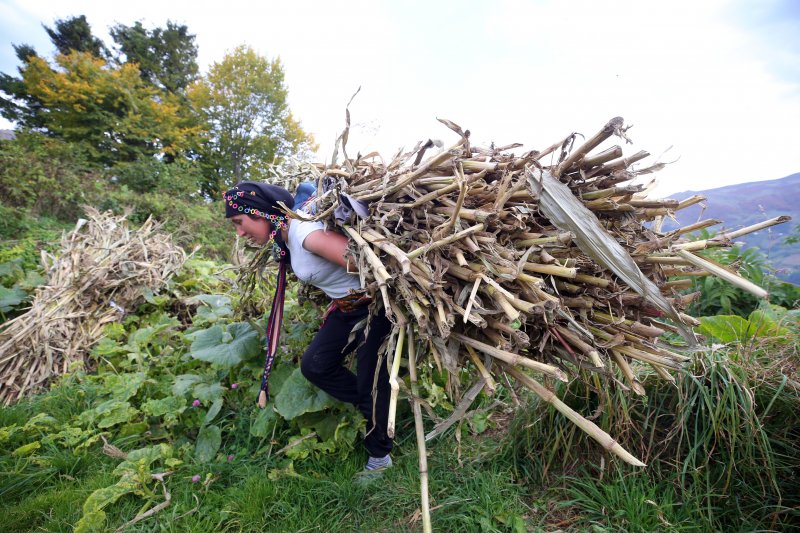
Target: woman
{"type": "Point", "coordinates": [321, 258]}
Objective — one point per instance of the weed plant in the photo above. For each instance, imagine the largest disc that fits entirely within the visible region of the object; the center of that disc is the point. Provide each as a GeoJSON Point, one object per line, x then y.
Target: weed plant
{"type": "Point", "coordinates": [721, 446]}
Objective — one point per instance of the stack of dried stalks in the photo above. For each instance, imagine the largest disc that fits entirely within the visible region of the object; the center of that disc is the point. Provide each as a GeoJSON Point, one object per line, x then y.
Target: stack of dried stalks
{"type": "Point", "coordinates": [543, 263]}
{"type": "Point", "coordinates": [103, 268]}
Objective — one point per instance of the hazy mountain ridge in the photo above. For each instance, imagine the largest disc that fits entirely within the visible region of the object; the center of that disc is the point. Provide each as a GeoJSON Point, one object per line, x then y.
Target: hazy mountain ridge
{"type": "Point", "coordinates": [749, 203]}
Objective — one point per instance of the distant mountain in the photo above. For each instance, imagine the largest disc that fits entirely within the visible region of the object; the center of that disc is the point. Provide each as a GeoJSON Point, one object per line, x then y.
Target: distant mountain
{"type": "Point", "coordinates": [749, 203]}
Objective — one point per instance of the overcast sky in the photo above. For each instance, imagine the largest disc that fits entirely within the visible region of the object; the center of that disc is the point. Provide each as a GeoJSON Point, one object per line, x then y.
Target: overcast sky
{"type": "Point", "coordinates": [713, 85]}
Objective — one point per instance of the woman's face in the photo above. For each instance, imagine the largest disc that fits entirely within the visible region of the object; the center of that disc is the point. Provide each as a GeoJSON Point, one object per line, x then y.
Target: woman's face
{"type": "Point", "coordinates": [255, 229]}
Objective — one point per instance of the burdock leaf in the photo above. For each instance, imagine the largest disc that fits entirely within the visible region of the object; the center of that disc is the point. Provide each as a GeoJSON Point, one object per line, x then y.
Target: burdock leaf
{"type": "Point", "coordinates": [726, 328]}
{"type": "Point", "coordinates": [226, 348]}
{"type": "Point", "coordinates": [11, 298]}
{"type": "Point", "coordinates": [208, 442]}
{"type": "Point", "coordinates": [113, 412]}
{"type": "Point", "coordinates": [262, 425]}
{"type": "Point", "coordinates": [298, 396]}
{"type": "Point", "coordinates": [183, 383]}
{"type": "Point", "coordinates": [213, 411]}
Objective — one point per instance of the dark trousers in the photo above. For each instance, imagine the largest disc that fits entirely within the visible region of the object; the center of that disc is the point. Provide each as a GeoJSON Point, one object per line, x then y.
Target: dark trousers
{"type": "Point", "coordinates": [322, 366]}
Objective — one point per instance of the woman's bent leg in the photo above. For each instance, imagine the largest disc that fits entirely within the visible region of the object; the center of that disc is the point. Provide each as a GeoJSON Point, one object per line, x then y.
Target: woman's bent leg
{"type": "Point", "coordinates": [377, 442]}
{"type": "Point", "coordinates": [322, 366]}
{"type": "Point", "coordinates": [322, 360]}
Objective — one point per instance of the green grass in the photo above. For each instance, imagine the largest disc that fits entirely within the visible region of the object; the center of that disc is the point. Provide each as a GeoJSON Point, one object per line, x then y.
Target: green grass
{"type": "Point", "coordinates": [721, 445]}
{"type": "Point", "coordinates": [262, 493]}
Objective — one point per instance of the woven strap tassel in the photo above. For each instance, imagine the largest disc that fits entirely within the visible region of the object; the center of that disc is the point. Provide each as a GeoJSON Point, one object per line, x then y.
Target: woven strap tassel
{"type": "Point", "coordinates": [274, 324]}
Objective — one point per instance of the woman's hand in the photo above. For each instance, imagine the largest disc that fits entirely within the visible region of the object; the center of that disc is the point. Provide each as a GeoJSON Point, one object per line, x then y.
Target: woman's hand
{"type": "Point", "coordinates": [331, 246]}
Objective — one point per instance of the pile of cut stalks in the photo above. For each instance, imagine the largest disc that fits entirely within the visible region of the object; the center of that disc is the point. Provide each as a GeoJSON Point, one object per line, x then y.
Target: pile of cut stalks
{"type": "Point", "coordinates": [103, 268]}
{"type": "Point", "coordinates": [545, 266]}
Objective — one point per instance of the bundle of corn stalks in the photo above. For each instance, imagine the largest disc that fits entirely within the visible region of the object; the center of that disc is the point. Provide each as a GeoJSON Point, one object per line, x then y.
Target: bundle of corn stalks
{"type": "Point", "coordinates": [549, 263]}
{"type": "Point", "coordinates": [103, 268]}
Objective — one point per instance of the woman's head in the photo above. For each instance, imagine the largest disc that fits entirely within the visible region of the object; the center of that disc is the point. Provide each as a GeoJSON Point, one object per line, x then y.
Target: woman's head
{"type": "Point", "coordinates": [254, 211]}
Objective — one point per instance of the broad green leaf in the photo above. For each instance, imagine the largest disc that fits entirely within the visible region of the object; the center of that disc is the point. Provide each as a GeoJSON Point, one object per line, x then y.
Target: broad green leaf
{"type": "Point", "coordinates": [183, 383]}
{"type": "Point", "coordinates": [207, 315]}
{"type": "Point", "coordinates": [7, 432]}
{"type": "Point", "coordinates": [147, 294]}
{"type": "Point", "coordinates": [216, 306]}
{"type": "Point", "coordinates": [113, 412]}
{"type": "Point", "coordinates": [208, 392]}
{"type": "Point", "coordinates": [327, 426]}
{"type": "Point", "coordinates": [264, 422]}
{"type": "Point", "coordinates": [100, 498]}
{"type": "Point", "coordinates": [151, 453]}
{"type": "Point", "coordinates": [40, 420]}
{"type": "Point", "coordinates": [143, 456]}
{"type": "Point", "coordinates": [226, 348]}
{"type": "Point", "coordinates": [764, 321]}
{"type": "Point", "coordinates": [91, 522]}
{"type": "Point", "coordinates": [213, 301]}
{"type": "Point", "coordinates": [169, 407]}
{"type": "Point", "coordinates": [277, 473]}
{"type": "Point", "coordinates": [213, 411]}
{"type": "Point", "coordinates": [300, 449]}
{"type": "Point", "coordinates": [479, 422]}
{"type": "Point", "coordinates": [69, 437]}
{"type": "Point", "coordinates": [208, 442]}
{"type": "Point", "coordinates": [108, 348]}
{"type": "Point", "coordinates": [11, 298]}
{"type": "Point", "coordinates": [277, 377]}
{"type": "Point", "coordinates": [726, 328]}
{"type": "Point", "coordinates": [135, 428]}
{"type": "Point", "coordinates": [308, 420]}
{"type": "Point", "coordinates": [124, 386]}
{"type": "Point", "coordinates": [141, 337]}
{"type": "Point", "coordinates": [11, 269]}
{"type": "Point", "coordinates": [114, 331]}
{"type": "Point", "coordinates": [94, 519]}
{"type": "Point", "coordinates": [346, 432]}
{"type": "Point", "coordinates": [298, 396]}
{"type": "Point", "coordinates": [173, 462]}
{"type": "Point", "coordinates": [26, 449]}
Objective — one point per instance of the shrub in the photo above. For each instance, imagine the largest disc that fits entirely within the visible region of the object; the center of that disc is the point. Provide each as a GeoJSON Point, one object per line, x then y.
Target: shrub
{"type": "Point", "coordinates": [44, 176]}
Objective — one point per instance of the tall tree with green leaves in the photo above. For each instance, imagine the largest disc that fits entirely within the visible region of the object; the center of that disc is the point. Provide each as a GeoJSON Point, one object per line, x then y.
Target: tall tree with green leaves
{"type": "Point", "coordinates": [67, 35]}
{"type": "Point", "coordinates": [15, 102]}
{"type": "Point", "coordinates": [111, 113]}
{"type": "Point", "coordinates": [243, 100]}
{"type": "Point", "coordinates": [167, 57]}
{"type": "Point", "coordinates": [75, 34]}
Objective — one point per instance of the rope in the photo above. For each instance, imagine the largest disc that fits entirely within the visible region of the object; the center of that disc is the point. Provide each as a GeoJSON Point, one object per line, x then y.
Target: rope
{"type": "Point", "coordinates": [274, 324]}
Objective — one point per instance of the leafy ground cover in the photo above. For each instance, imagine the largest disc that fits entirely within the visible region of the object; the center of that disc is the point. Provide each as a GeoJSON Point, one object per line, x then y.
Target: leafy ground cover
{"type": "Point", "coordinates": [733, 467]}
{"type": "Point", "coordinates": [167, 407]}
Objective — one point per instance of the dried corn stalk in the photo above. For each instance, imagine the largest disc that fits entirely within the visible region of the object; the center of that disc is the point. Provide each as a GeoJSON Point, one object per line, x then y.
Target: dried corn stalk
{"type": "Point", "coordinates": [102, 269]}
{"type": "Point", "coordinates": [547, 268]}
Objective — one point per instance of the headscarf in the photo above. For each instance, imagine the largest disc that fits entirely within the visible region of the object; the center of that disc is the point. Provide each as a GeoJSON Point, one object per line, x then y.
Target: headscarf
{"type": "Point", "coordinates": [256, 198]}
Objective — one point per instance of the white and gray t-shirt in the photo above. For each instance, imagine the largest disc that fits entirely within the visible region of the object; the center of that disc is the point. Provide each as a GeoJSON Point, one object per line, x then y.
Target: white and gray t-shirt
{"type": "Point", "coordinates": [333, 279]}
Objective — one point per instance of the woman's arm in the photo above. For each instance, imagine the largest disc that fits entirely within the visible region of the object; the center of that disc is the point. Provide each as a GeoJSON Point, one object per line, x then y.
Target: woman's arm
{"type": "Point", "coordinates": [331, 246]}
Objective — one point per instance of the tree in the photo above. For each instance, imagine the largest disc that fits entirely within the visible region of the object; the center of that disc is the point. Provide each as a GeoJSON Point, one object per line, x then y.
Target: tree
{"type": "Point", "coordinates": [75, 34]}
{"type": "Point", "coordinates": [110, 112]}
{"type": "Point", "coordinates": [15, 102]}
{"type": "Point", "coordinates": [242, 99]}
{"type": "Point", "coordinates": [167, 58]}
